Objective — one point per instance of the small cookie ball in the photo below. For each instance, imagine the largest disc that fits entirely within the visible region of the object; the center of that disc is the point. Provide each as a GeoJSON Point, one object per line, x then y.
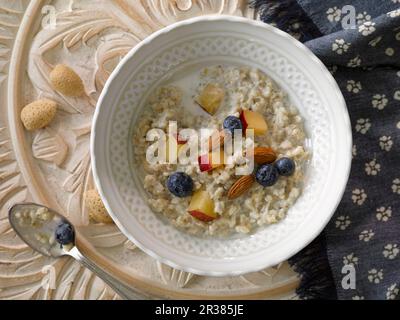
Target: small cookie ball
{"type": "Point", "coordinates": [38, 114]}
{"type": "Point", "coordinates": [66, 81]}
{"type": "Point", "coordinates": [96, 208]}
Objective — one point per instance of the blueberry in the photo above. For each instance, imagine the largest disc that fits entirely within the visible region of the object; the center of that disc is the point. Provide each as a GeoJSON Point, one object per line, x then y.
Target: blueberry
{"type": "Point", "coordinates": [180, 184]}
{"type": "Point", "coordinates": [285, 166]}
{"type": "Point", "coordinates": [267, 175]}
{"type": "Point", "coordinates": [231, 123]}
{"type": "Point", "coordinates": [65, 233]}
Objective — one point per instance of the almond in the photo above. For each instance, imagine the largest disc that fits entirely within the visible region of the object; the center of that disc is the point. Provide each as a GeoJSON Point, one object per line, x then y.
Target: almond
{"type": "Point", "coordinates": [264, 155]}
{"type": "Point", "coordinates": [66, 81]}
{"type": "Point", "coordinates": [216, 140]}
{"type": "Point", "coordinates": [97, 210]}
{"type": "Point", "coordinates": [240, 186]}
{"type": "Point", "coordinates": [38, 114]}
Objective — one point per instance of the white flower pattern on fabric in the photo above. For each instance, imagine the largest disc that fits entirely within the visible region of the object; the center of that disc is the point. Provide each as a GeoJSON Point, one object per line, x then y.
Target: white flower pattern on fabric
{"type": "Point", "coordinates": [366, 235]}
{"type": "Point", "coordinates": [374, 42]}
{"type": "Point", "coordinates": [355, 62]}
{"type": "Point", "coordinates": [379, 101]}
{"type": "Point", "coordinates": [354, 151]}
{"type": "Point", "coordinates": [396, 185]}
{"type": "Point", "coordinates": [363, 125]}
{"type": "Point", "coordinates": [392, 292]}
{"type": "Point", "coordinates": [394, 13]}
{"type": "Point", "coordinates": [353, 86]}
{"type": "Point", "coordinates": [340, 46]}
{"type": "Point", "coordinates": [390, 251]}
{"type": "Point", "coordinates": [350, 259]}
{"type": "Point", "coordinates": [396, 95]}
{"type": "Point", "coordinates": [368, 217]}
{"type": "Point", "coordinates": [389, 52]}
{"type": "Point", "coordinates": [334, 14]}
{"type": "Point", "coordinates": [333, 69]}
{"type": "Point", "coordinates": [367, 28]}
{"type": "Point", "coordinates": [375, 276]}
{"type": "Point", "coordinates": [372, 168]}
{"type": "Point", "coordinates": [358, 196]}
{"type": "Point", "coordinates": [383, 213]}
{"type": "Point", "coordinates": [363, 17]}
{"type": "Point", "coordinates": [342, 222]}
{"type": "Point", "coordinates": [386, 143]}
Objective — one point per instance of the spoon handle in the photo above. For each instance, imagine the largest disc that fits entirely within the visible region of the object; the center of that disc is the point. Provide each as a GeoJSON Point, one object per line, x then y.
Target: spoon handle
{"type": "Point", "coordinates": [122, 290]}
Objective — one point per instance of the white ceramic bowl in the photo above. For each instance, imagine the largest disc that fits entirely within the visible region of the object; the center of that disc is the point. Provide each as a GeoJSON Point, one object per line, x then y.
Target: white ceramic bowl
{"type": "Point", "coordinates": [214, 39]}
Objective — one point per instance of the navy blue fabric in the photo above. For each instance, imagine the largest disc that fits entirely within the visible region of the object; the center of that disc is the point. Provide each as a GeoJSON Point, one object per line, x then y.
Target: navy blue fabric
{"type": "Point", "coordinates": [365, 61]}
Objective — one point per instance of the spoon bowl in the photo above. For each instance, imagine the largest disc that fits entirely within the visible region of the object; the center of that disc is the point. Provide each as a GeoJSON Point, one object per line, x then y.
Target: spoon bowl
{"type": "Point", "coordinates": [51, 234]}
{"type": "Point", "coordinates": [38, 225]}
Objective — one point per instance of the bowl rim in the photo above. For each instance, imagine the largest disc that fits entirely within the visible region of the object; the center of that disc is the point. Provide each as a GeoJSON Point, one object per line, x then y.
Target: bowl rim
{"type": "Point", "coordinates": [309, 236]}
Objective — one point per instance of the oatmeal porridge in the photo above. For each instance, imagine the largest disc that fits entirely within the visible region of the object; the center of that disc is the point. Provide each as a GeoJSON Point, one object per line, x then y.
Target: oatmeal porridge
{"type": "Point", "coordinates": [211, 199]}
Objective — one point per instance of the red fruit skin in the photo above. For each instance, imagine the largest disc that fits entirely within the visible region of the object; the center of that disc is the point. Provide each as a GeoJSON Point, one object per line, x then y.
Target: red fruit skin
{"type": "Point", "coordinates": [180, 140]}
{"type": "Point", "coordinates": [204, 163]}
{"type": "Point", "coordinates": [201, 216]}
{"type": "Point", "coordinates": [243, 120]}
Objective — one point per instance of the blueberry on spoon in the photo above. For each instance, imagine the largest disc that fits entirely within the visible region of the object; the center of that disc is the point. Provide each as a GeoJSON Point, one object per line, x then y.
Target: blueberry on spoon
{"type": "Point", "coordinates": [49, 233]}
{"type": "Point", "coordinates": [64, 233]}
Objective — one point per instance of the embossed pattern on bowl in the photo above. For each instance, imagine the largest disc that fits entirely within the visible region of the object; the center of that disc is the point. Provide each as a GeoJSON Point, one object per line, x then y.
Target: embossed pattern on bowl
{"type": "Point", "coordinates": [295, 69]}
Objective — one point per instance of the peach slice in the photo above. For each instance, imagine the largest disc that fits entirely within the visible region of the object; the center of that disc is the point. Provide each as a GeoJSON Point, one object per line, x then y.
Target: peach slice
{"type": "Point", "coordinates": [216, 140]}
{"type": "Point", "coordinates": [180, 139]}
{"type": "Point", "coordinates": [211, 98]}
{"type": "Point", "coordinates": [211, 160]}
{"type": "Point", "coordinates": [202, 206]}
{"type": "Point", "coordinates": [253, 120]}
{"type": "Point", "coordinates": [176, 149]}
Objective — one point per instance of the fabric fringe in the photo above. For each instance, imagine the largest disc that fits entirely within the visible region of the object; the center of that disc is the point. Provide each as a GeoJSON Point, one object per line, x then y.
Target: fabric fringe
{"type": "Point", "coordinates": [316, 280]}
{"type": "Point", "coordinates": [288, 16]}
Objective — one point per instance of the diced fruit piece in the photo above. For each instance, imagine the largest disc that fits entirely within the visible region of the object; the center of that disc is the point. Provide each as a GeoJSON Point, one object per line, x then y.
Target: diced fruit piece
{"type": "Point", "coordinates": [267, 175]}
{"type": "Point", "coordinates": [204, 163]}
{"type": "Point", "coordinates": [253, 120]}
{"type": "Point", "coordinates": [180, 184]}
{"type": "Point", "coordinates": [180, 148]}
{"type": "Point", "coordinates": [180, 139]}
{"type": "Point", "coordinates": [211, 160]}
{"type": "Point", "coordinates": [285, 166]}
{"type": "Point", "coordinates": [202, 206]}
{"type": "Point", "coordinates": [211, 98]}
{"type": "Point", "coordinates": [176, 148]}
{"type": "Point", "coordinates": [216, 140]}
{"type": "Point", "coordinates": [232, 123]}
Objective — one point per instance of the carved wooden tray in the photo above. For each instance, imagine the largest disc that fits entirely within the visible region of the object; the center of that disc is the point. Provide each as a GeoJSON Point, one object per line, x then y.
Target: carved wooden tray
{"type": "Point", "coordinates": [52, 166]}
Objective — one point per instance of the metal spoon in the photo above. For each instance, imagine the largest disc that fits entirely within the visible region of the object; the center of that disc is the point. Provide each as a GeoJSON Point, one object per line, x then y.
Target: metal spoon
{"type": "Point", "coordinates": [49, 233]}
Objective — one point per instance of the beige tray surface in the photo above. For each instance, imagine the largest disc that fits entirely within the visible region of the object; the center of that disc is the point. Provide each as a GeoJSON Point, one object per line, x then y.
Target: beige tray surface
{"type": "Point", "coordinates": [52, 166]}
